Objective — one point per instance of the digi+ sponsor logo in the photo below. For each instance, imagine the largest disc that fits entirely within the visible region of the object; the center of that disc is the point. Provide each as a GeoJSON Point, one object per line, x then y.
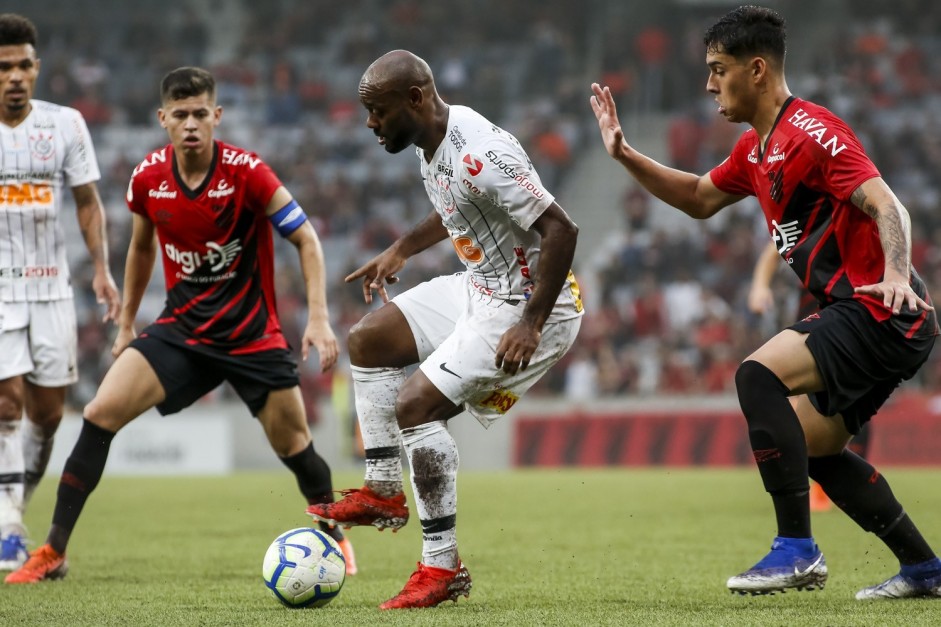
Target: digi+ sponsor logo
{"type": "Point", "coordinates": [218, 256]}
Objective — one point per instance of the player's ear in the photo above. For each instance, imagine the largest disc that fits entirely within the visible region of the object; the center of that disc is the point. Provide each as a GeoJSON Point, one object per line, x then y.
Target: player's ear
{"type": "Point", "coordinates": [758, 67]}
{"type": "Point", "coordinates": [162, 117]}
{"type": "Point", "coordinates": [416, 96]}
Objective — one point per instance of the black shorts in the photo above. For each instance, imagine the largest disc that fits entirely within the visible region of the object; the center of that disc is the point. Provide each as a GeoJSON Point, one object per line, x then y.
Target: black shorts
{"type": "Point", "coordinates": [189, 372]}
{"type": "Point", "coordinates": [861, 359]}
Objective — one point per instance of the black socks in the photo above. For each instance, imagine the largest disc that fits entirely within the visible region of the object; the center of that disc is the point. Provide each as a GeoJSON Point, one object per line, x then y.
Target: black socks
{"type": "Point", "coordinates": [777, 441]}
{"type": "Point", "coordinates": [80, 476]}
{"type": "Point", "coordinates": [314, 480]}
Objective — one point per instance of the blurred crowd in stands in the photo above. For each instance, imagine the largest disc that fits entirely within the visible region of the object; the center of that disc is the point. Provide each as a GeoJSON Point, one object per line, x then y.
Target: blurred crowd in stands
{"type": "Point", "coordinates": [667, 310]}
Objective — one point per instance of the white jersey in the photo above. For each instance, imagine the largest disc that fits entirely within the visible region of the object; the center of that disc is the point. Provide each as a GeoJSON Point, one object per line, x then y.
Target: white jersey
{"type": "Point", "coordinates": [484, 187]}
{"type": "Point", "coordinates": [48, 151]}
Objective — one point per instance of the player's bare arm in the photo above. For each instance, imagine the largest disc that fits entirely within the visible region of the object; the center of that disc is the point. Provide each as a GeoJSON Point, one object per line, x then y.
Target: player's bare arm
{"type": "Point", "coordinates": [760, 298]}
{"type": "Point", "coordinates": [877, 201]}
{"type": "Point", "coordinates": [317, 332]}
{"type": "Point", "coordinates": [692, 194]}
{"type": "Point", "coordinates": [141, 254]}
{"type": "Point", "coordinates": [381, 269]}
{"type": "Point", "coordinates": [91, 221]}
{"type": "Point", "coordinates": [559, 236]}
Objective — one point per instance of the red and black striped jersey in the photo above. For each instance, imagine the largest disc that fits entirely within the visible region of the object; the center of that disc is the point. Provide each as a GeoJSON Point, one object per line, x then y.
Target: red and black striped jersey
{"type": "Point", "coordinates": [216, 246]}
{"type": "Point", "coordinates": [803, 177]}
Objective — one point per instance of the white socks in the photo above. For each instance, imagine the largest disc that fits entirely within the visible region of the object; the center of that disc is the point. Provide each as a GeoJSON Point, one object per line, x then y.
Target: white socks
{"type": "Point", "coordinates": [37, 449]}
{"type": "Point", "coordinates": [375, 390]}
{"type": "Point", "coordinates": [11, 479]}
{"type": "Point", "coordinates": [433, 458]}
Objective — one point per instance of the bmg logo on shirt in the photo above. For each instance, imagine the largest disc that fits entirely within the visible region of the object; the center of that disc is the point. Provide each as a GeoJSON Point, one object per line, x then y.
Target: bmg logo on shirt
{"type": "Point", "coordinates": [217, 256]}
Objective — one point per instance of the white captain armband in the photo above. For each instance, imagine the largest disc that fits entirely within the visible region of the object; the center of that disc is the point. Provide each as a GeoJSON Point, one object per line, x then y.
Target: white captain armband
{"type": "Point", "coordinates": [288, 218]}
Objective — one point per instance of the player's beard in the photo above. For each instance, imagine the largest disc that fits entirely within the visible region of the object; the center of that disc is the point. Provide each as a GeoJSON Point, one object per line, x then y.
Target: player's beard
{"type": "Point", "coordinates": [394, 145]}
{"type": "Point", "coordinates": [15, 106]}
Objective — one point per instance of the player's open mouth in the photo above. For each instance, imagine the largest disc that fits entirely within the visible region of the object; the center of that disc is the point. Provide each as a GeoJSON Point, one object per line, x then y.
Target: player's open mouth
{"type": "Point", "coordinates": [382, 141]}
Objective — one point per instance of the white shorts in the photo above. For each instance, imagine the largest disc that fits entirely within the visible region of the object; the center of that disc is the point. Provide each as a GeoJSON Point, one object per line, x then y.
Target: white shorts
{"type": "Point", "coordinates": [39, 340]}
{"type": "Point", "coordinates": [457, 337]}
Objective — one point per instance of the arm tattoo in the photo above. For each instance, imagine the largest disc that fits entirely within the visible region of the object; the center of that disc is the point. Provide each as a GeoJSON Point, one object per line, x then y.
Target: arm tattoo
{"type": "Point", "coordinates": [893, 231]}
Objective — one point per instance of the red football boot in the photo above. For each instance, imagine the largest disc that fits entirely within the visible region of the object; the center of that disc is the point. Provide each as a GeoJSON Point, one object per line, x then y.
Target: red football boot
{"type": "Point", "coordinates": [363, 507]}
{"type": "Point", "coordinates": [428, 586]}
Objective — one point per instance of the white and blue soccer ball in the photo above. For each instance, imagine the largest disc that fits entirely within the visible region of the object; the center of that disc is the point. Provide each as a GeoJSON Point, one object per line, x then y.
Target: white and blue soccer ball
{"type": "Point", "coordinates": [304, 568]}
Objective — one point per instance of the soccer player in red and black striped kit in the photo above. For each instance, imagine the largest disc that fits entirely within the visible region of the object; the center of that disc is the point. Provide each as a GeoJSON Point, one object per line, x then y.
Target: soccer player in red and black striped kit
{"type": "Point", "coordinates": [846, 235]}
{"type": "Point", "coordinates": [210, 207]}
{"type": "Point", "coordinates": [760, 299]}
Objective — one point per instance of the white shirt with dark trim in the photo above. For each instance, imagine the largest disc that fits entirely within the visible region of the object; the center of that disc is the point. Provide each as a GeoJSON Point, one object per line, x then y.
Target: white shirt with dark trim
{"type": "Point", "coordinates": [46, 154]}
{"type": "Point", "coordinates": [483, 185]}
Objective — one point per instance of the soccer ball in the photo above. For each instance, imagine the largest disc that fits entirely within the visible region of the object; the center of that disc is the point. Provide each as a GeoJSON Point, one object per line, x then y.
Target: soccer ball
{"type": "Point", "coordinates": [304, 568]}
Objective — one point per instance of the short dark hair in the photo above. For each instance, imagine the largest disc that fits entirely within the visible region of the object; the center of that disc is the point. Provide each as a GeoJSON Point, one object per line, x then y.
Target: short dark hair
{"type": "Point", "coordinates": [16, 30]}
{"type": "Point", "coordinates": [749, 30]}
{"type": "Point", "coordinates": [186, 82]}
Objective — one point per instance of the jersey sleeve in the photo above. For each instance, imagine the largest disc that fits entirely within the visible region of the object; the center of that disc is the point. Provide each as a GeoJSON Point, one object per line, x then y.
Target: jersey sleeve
{"type": "Point", "coordinates": [844, 165]}
{"type": "Point", "coordinates": [730, 176]}
{"type": "Point", "coordinates": [261, 184]}
{"type": "Point", "coordinates": [135, 196]}
{"type": "Point", "coordinates": [501, 171]}
{"type": "Point", "coordinates": [80, 165]}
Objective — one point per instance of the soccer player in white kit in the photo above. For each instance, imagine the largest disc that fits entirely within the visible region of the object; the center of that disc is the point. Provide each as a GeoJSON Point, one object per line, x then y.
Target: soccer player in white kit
{"type": "Point", "coordinates": [482, 336]}
{"type": "Point", "coordinates": [43, 148]}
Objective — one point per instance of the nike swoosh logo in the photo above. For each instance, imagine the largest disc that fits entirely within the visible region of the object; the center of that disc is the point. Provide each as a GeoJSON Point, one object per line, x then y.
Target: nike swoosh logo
{"type": "Point", "coordinates": [801, 573]}
{"type": "Point", "coordinates": [445, 368]}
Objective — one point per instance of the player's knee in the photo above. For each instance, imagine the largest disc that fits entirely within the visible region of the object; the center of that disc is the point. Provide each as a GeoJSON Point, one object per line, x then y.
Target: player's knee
{"type": "Point", "coordinates": [361, 344]}
{"type": "Point", "coordinates": [755, 384]}
{"type": "Point", "coordinates": [48, 418]}
{"type": "Point", "coordinates": [101, 414]}
{"type": "Point", "coordinates": [409, 411]}
{"type": "Point", "coordinates": [11, 408]}
{"type": "Point", "coordinates": [382, 339]}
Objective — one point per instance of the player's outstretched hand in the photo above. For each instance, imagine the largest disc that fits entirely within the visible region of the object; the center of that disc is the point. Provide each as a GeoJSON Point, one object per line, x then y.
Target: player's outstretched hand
{"type": "Point", "coordinates": [106, 293]}
{"type": "Point", "coordinates": [516, 347]}
{"type": "Point", "coordinates": [894, 294]}
{"type": "Point", "coordinates": [378, 272]}
{"type": "Point", "coordinates": [602, 103]}
{"type": "Point", "coordinates": [319, 335]}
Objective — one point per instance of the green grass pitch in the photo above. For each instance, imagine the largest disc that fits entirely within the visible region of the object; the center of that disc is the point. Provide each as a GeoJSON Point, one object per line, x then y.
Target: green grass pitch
{"type": "Point", "coordinates": [550, 547]}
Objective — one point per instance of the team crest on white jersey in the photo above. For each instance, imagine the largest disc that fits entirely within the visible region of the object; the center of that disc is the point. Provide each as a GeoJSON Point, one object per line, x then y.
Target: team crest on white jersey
{"type": "Point", "coordinates": [42, 146]}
